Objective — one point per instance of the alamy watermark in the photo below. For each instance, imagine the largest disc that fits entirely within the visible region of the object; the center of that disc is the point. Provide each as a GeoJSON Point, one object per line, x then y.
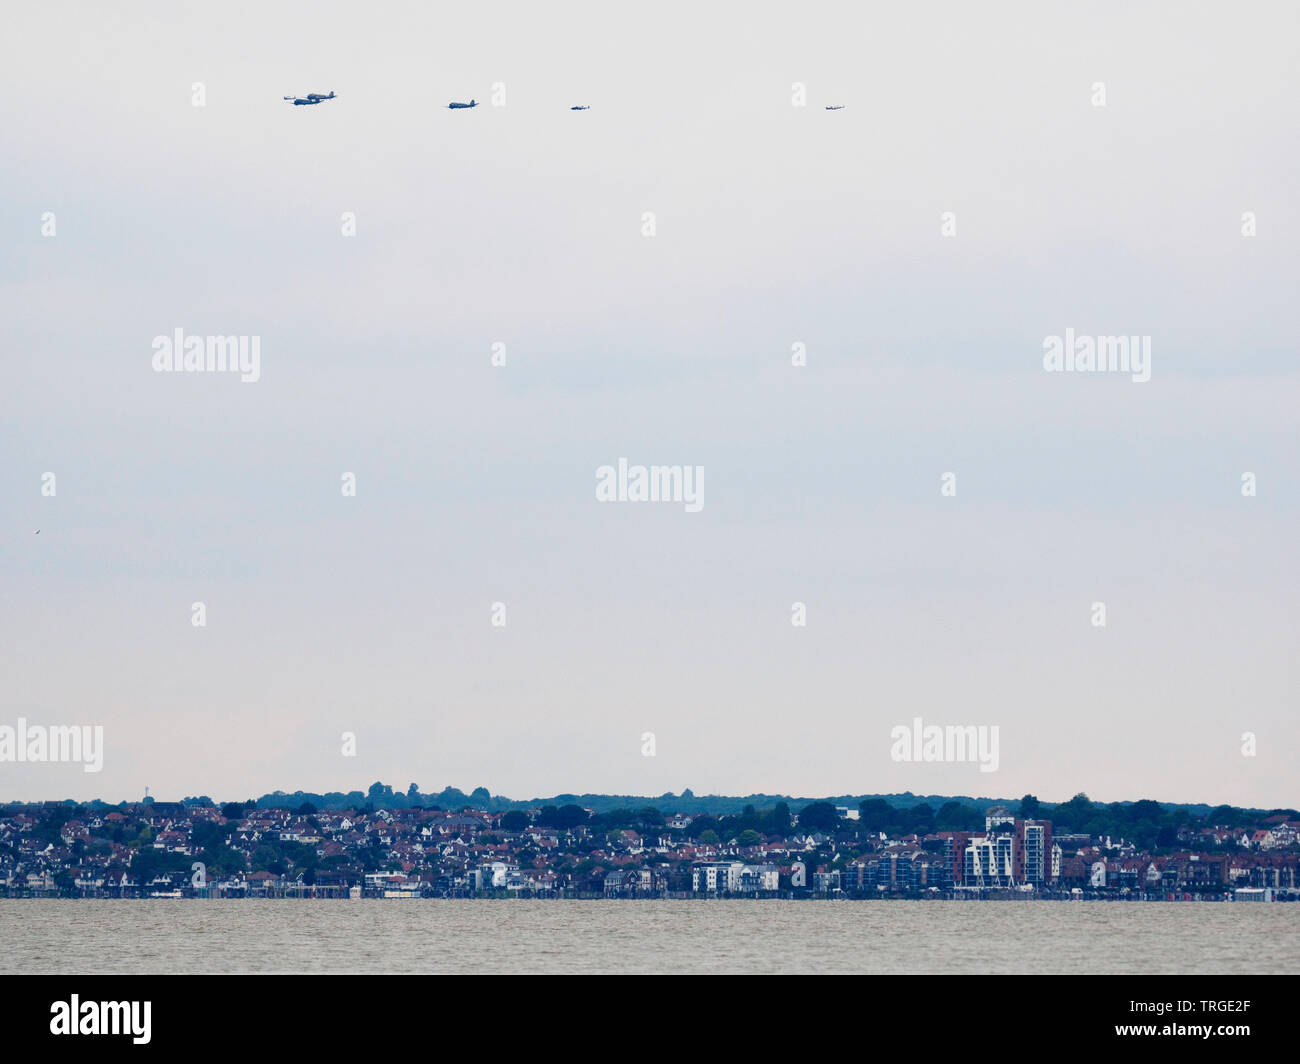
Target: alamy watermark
{"type": "Point", "coordinates": [1098, 354]}
{"type": "Point", "coordinates": [179, 353]}
{"type": "Point", "coordinates": [55, 742]}
{"type": "Point", "coordinates": [661, 483]}
{"type": "Point", "coordinates": [950, 743]}
{"type": "Point", "coordinates": [102, 1017]}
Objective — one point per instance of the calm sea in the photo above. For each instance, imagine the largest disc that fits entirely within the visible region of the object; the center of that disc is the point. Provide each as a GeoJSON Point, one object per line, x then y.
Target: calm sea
{"type": "Point", "coordinates": [400, 936]}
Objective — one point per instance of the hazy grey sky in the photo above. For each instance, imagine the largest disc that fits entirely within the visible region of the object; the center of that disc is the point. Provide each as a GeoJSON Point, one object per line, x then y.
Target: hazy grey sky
{"type": "Point", "coordinates": [776, 225]}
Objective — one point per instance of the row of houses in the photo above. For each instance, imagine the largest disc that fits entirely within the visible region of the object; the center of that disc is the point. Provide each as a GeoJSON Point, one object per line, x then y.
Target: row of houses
{"type": "Point", "coordinates": [167, 849]}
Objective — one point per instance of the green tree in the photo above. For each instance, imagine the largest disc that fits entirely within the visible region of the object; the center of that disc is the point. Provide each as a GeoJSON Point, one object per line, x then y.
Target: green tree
{"type": "Point", "coordinates": [147, 864]}
{"type": "Point", "coordinates": [1146, 809]}
{"type": "Point", "coordinates": [875, 814]}
{"type": "Point", "coordinates": [819, 816]}
{"type": "Point", "coordinates": [1144, 833]}
{"type": "Point", "coordinates": [566, 816]}
{"type": "Point", "coordinates": [223, 861]}
{"type": "Point", "coordinates": [701, 824]}
{"type": "Point", "coordinates": [206, 835]}
{"type": "Point", "coordinates": [514, 821]}
{"type": "Point", "coordinates": [1074, 814]}
{"type": "Point", "coordinates": [921, 819]}
{"type": "Point", "coordinates": [957, 816]}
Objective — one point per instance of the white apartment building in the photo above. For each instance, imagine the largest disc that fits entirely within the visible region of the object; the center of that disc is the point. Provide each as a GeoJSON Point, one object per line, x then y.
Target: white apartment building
{"type": "Point", "coordinates": [733, 877]}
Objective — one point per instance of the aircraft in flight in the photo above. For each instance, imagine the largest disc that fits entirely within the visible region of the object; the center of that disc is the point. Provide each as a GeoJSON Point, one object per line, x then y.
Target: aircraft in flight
{"type": "Point", "coordinates": [310, 99]}
{"type": "Point", "coordinates": [837, 107]}
{"type": "Point", "coordinates": [586, 108]}
{"type": "Point", "coordinates": [457, 106]}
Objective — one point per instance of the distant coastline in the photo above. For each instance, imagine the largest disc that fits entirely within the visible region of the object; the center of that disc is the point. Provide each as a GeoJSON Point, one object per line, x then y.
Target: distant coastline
{"type": "Point", "coordinates": [1075, 850]}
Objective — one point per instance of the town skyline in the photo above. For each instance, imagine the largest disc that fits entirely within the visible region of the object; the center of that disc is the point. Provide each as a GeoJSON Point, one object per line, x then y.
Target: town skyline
{"type": "Point", "coordinates": [871, 849]}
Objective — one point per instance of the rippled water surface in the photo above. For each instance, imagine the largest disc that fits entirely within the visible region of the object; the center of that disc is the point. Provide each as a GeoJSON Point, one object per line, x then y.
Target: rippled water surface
{"type": "Point", "coordinates": [405, 936]}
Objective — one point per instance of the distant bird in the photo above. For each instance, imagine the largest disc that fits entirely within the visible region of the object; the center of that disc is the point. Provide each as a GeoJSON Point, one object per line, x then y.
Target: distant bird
{"type": "Point", "coordinates": [580, 108]}
{"type": "Point", "coordinates": [837, 107]}
{"type": "Point", "coordinates": [458, 106]}
{"type": "Point", "coordinates": [310, 99]}
{"type": "Point", "coordinates": [37, 532]}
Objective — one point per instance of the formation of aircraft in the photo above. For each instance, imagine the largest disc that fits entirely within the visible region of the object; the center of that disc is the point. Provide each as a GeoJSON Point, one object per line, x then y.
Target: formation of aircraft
{"type": "Point", "coordinates": [315, 97]}
{"type": "Point", "coordinates": [310, 99]}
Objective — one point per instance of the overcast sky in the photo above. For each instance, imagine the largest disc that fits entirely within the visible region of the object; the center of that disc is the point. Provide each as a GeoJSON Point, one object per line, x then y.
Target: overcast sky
{"type": "Point", "coordinates": [775, 225]}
